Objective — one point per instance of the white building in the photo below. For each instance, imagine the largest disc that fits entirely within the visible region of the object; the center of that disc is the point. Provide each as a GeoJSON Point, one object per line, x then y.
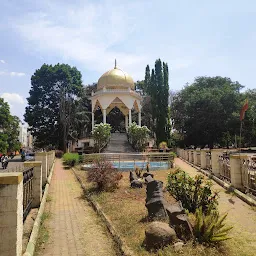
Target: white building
{"type": "Point", "coordinates": [25, 137]}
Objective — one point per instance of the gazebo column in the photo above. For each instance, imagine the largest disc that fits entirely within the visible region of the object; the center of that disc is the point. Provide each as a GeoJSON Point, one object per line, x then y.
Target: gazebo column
{"type": "Point", "coordinates": [104, 116]}
{"type": "Point", "coordinates": [92, 120]}
{"type": "Point", "coordinates": [130, 117]}
{"type": "Point", "coordinates": [126, 122]}
{"type": "Point", "coordinates": [139, 118]}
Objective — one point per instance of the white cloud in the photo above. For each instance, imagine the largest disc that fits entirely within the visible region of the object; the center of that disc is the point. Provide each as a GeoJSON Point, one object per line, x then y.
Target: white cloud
{"type": "Point", "coordinates": [87, 32]}
{"type": "Point", "coordinates": [12, 73]}
{"type": "Point", "coordinates": [17, 74]}
{"type": "Point", "coordinates": [2, 61]}
{"type": "Point", "coordinates": [13, 98]}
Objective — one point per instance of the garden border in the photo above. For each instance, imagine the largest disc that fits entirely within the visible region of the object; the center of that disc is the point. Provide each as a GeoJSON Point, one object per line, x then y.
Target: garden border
{"type": "Point", "coordinates": [125, 250]}
{"type": "Point", "coordinates": [228, 187]}
{"type": "Point", "coordinates": [30, 250]}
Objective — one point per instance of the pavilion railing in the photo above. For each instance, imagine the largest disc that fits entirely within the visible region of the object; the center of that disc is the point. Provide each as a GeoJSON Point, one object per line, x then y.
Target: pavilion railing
{"type": "Point", "coordinates": [249, 175]}
{"type": "Point", "coordinates": [133, 159]}
{"type": "Point", "coordinates": [27, 191]}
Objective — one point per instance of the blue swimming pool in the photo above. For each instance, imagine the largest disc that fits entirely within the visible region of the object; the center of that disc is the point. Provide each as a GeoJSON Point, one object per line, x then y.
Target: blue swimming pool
{"type": "Point", "coordinates": [130, 165]}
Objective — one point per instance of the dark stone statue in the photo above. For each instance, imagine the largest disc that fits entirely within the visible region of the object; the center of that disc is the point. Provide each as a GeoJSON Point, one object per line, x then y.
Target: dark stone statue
{"type": "Point", "coordinates": [134, 182]}
{"type": "Point", "coordinates": [155, 201]}
{"type": "Point", "coordinates": [178, 219]}
{"type": "Point", "coordinates": [146, 174]}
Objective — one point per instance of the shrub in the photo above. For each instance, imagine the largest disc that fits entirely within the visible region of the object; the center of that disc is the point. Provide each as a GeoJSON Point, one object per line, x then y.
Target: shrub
{"type": "Point", "coordinates": [101, 134]}
{"type": "Point", "coordinates": [163, 145]}
{"type": "Point", "coordinates": [210, 227]}
{"type": "Point", "coordinates": [104, 175]}
{"type": "Point", "coordinates": [59, 153]}
{"type": "Point", "coordinates": [71, 159]}
{"type": "Point", "coordinates": [138, 136]}
{"type": "Point", "coordinates": [192, 192]}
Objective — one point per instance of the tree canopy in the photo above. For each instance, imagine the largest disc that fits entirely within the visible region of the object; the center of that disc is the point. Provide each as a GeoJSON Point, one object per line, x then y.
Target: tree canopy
{"type": "Point", "coordinates": [207, 111]}
{"type": "Point", "coordinates": [53, 97]}
{"type": "Point", "coordinates": [9, 129]}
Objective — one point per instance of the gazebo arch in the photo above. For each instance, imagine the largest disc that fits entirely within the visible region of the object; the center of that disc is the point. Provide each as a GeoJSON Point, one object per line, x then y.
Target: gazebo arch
{"type": "Point", "coordinates": [116, 88]}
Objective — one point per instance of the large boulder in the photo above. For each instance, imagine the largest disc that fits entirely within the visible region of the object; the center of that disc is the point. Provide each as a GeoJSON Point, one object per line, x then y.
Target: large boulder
{"type": "Point", "coordinates": [159, 234]}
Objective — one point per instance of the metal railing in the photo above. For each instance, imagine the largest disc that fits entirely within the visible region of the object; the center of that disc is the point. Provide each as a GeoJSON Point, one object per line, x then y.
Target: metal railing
{"type": "Point", "coordinates": [249, 175]}
{"type": "Point", "coordinates": [27, 191]}
{"type": "Point", "coordinates": [224, 166]}
{"type": "Point", "coordinates": [131, 161]}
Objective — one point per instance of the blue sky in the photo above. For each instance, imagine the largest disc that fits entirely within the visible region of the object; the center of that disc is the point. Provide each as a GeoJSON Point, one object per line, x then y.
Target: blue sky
{"type": "Point", "coordinates": [196, 38]}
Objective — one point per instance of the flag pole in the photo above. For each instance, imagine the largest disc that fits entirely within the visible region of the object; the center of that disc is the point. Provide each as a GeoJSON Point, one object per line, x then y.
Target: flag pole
{"type": "Point", "coordinates": [240, 141]}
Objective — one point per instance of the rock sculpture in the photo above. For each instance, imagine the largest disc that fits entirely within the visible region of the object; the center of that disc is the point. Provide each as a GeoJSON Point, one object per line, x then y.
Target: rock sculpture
{"type": "Point", "coordinates": [134, 182]}
{"type": "Point", "coordinates": [178, 219]}
{"type": "Point", "coordinates": [155, 202]}
{"type": "Point", "coordinates": [146, 174]}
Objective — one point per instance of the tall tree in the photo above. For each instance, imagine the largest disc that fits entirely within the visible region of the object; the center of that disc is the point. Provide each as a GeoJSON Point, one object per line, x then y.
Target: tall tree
{"type": "Point", "coordinates": [207, 111]}
{"type": "Point", "coordinates": [147, 79]}
{"type": "Point", "coordinates": [158, 90]}
{"type": "Point", "coordinates": [9, 129]}
{"type": "Point", "coordinates": [53, 95]}
{"type": "Point", "coordinates": [249, 122]}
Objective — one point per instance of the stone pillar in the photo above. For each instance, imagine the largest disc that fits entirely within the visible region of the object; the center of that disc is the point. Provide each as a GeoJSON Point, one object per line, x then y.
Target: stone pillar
{"type": "Point", "coordinates": [130, 117]}
{"type": "Point", "coordinates": [195, 157]}
{"type": "Point", "coordinates": [11, 213]}
{"type": "Point", "coordinates": [203, 158]}
{"type": "Point", "coordinates": [183, 153]}
{"type": "Point", "coordinates": [139, 118]}
{"type": "Point", "coordinates": [37, 181]}
{"type": "Point", "coordinates": [186, 154]}
{"type": "Point", "coordinates": [49, 162]}
{"type": "Point", "coordinates": [92, 120]}
{"type": "Point", "coordinates": [215, 153]}
{"type": "Point", "coordinates": [126, 122]}
{"type": "Point", "coordinates": [104, 116]}
{"type": "Point", "coordinates": [236, 171]}
{"type": "Point", "coordinates": [190, 156]}
{"type": "Point", "coordinates": [45, 159]}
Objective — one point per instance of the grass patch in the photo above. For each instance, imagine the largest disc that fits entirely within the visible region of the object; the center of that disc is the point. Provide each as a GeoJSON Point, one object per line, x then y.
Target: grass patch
{"type": "Point", "coordinates": [125, 207]}
{"type": "Point", "coordinates": [43, 236]}
{"type": "Point", "coordinates": [48, 198]}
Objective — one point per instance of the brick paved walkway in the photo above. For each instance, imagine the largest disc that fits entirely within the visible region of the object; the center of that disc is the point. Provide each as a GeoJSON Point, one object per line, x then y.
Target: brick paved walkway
{"type": "Point", "coordinates": [74, 228]}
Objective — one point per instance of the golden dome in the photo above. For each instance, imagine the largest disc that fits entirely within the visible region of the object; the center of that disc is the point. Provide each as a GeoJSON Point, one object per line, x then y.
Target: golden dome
{"type": "Point", "coordinates": [115, 79]}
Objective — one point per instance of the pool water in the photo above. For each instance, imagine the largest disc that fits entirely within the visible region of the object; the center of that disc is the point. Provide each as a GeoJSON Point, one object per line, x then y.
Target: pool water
{"type": "Point", "coordinates": [125, 166]}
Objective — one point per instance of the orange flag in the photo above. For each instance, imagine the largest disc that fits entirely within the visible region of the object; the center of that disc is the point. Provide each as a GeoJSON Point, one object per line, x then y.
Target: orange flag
{"type": "Point", "coordinates": [244, 108]}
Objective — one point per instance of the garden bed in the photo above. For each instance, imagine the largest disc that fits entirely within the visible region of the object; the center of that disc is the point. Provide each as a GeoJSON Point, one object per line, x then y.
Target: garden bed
{"type": "Point", "coordinates": [125, 207]}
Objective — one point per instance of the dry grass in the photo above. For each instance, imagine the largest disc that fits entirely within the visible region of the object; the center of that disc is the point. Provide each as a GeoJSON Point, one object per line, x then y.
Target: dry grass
{"type": "Point", "coordinates": [43, 235]}
{"type": "Point", "coordinates": [126, 209]}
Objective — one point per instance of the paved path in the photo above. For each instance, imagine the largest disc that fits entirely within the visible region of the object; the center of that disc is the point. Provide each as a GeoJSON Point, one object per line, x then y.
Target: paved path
{"type": "Point", "coordinates": [74, 228]}
{"type": "Point", "coordinates": [240, 215]}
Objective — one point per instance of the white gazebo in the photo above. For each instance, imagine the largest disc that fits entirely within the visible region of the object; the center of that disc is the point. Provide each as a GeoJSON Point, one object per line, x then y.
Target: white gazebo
{"type": "Point", "coordinates": [116, 88]}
